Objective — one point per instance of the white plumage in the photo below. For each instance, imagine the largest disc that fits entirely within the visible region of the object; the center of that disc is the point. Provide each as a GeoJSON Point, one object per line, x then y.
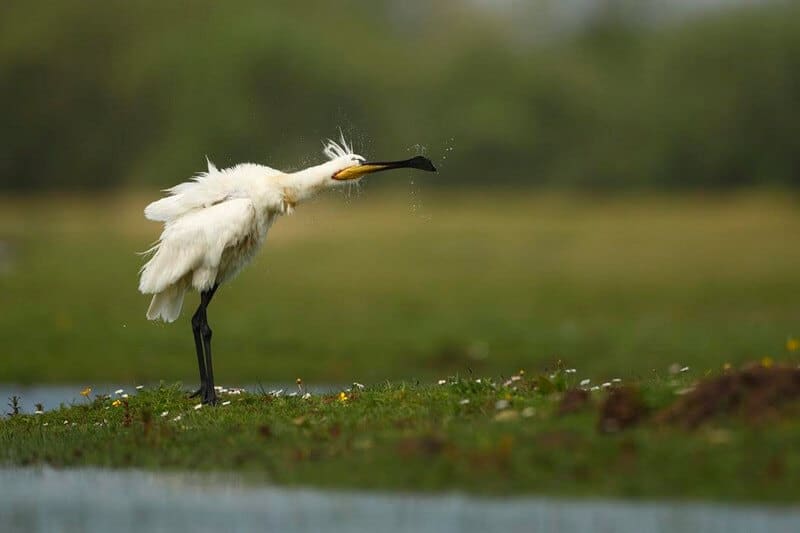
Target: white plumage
{"type": "Point", "coordinates": [214, 224]}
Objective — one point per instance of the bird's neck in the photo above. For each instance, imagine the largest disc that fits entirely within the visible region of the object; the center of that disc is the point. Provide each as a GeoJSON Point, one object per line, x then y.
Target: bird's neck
{"type": "Point", "coordinates": [306, 183]}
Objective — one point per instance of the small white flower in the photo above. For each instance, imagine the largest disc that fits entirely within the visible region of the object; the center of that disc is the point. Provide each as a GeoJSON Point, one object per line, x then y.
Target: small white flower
{"type": "Point", "coordinates": [292, 394]}
{"type": "Point", "coordinates": [477, 380]}
{"type": "Point", "coordinates": [217, 388]}
{"type": "Point", "coordinates": [97, 423]}
{"type": "Point", "coordinates": [226, 402]}
{"type": "Point", "coordinates": [595, 388]}
{"type": "Point", "coordinates": [66, 422]}
{"type": "Point", "coordinates": [570, 371]}
{"type": "Point", "coordinates": [119, 391]}
{"type": "Point", "coordinates": [528, 412]}
{"type": "Point", "coordinates": [139, 387]}
{"type": "Point", "coordinates": [616, 380]}
{"type": "Point", "coordinates": [606, 385]}
{"type": "Point", "coordinates": [306, 396]}
{"type": "Point", "coordinates": [176, 418]}
{"type": "Point", "coordinates": [46, 424]}
{"type": "Point", "coordinates": [198, 406]}
{"type": "Point", "coordinates": [585, 382]}
{"type": "Point", "coordinates": [685, 369]}
{"type": "Point", "coordinates": [359, 385]}
{"type": "Point", "coordinates": [442, 381]}
{"type": "Point", "coordinates": [465, 401]}
{"type": "Point", "coordinates": [501, 404]}
{"type": "Point", "coordinates": [516, 378]}
{"type": "Point", "coordinates": [165, 413]}
{"type": "Point", "coordinates": [235, 391]}
{"type": "Point", "coordinates": [38, 412]}
{"type": "Point", "coordinates": [74, 424]}
{"type": "Point", "coordinates": [124, 395]}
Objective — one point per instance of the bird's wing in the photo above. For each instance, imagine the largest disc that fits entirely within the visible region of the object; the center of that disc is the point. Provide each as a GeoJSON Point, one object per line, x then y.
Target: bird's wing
{"type": "Point", "coordinates": [193, 244]}
{"type": "Point", "coordinates": [206, 189]}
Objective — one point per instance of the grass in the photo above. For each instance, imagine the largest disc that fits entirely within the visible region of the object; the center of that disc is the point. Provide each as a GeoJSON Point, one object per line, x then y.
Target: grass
{"type": "Point", "coordinates": [412, 284]}
{"type": "Point", "coordinates": [483, 436]}
{"type": "Point", "coordinates": [400, 288]}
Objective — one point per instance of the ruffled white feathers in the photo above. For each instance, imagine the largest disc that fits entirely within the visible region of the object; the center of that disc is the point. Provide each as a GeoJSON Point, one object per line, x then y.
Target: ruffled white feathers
{"type": "Point", "coordinates": [334, 150]}
{"type": "Point", "coordinates": [215, 223]}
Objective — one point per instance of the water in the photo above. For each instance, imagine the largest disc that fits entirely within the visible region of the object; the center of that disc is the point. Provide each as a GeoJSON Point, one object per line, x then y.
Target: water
{"type": "Point", "coordinates": [94, 500]}
{"type": "Point", "coordinates": [52, 396]}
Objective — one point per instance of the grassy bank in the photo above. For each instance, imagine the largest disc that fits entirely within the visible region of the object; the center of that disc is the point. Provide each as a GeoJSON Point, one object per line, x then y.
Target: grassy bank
{"type": "Point", "coordinates": [523, 434]}
{"type": "Point", "coordinates": [411, 284]}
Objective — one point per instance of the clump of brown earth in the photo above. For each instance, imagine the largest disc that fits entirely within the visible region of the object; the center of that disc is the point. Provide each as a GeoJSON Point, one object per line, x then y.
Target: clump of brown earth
{"type": "Point", "coordinates": [753, 393]}
{"type": "Point", "coordinates": [622, 408]}
{"type": "Point", "coordinates": [573, 400]}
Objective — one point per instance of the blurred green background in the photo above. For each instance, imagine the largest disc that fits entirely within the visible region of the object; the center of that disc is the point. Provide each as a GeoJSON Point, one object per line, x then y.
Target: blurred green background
{"type": "Point", "coordinates": [99, 93]}
{"type": "Point", "coordinates": [617, 184]}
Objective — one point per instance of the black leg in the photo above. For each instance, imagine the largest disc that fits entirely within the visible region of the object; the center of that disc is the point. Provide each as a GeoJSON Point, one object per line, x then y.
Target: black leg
{"type": "Point", "coordinates": [210, 393]}
{"type": "Point", "coordinates": [197, 325]}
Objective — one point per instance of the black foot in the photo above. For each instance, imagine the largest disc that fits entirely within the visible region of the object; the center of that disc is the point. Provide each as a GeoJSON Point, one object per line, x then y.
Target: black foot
{"type": "Point", "coordinates": [210, 398]}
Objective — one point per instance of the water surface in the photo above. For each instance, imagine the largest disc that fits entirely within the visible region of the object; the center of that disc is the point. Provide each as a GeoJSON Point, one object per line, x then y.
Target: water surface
{"type": "Point", "coordinates": [102, 501]}
{"type": "Point", "coordinates": [52, 396]}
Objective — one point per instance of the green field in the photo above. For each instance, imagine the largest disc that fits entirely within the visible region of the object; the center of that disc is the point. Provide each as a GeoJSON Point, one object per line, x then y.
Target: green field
{"type": "Point", "coordinates": [412, 284]}
{"type": "Point", "coordinates": [471, 434]}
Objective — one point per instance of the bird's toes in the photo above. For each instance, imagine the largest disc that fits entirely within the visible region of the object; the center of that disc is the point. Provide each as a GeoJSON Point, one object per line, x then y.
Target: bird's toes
{"type": "Point", "coordinates": [210, 399]}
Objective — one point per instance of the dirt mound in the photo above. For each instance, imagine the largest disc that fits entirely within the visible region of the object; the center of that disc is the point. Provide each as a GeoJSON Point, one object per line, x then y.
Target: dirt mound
{"type": "Point", "coordinates": [573, 400]}
{"type": "Point", "coordinates": [754, 393]}
{"type": "Point", "coordinates": [622, 408]}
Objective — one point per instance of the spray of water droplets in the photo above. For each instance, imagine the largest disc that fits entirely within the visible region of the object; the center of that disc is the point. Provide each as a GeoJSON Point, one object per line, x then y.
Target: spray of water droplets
{"type": "Point", "coordinates": [449, 148]}
{"type": "Point", "coordinates": [416, 204]}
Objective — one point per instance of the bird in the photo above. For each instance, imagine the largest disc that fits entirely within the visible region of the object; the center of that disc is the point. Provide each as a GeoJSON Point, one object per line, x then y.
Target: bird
{"type": "Point", "coordinates": [216, 222]}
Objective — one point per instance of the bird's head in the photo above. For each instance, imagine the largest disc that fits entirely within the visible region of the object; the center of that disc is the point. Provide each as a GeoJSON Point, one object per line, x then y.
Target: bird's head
{"type": "Point", "coordinates": [346, 166]}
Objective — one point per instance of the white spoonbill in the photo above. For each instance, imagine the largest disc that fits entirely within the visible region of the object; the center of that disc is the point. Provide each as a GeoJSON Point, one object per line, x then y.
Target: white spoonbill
{"type": "Point", "coordinates": [215, 223]}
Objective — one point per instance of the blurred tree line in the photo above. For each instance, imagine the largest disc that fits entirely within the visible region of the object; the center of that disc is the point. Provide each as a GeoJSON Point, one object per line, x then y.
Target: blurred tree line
{"type": "Point", "coordinates": [102, 93]}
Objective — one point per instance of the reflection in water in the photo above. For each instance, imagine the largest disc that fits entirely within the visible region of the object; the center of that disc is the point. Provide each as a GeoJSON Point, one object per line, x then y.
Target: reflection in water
{"type": "Point", "coordinates": [93, 500]}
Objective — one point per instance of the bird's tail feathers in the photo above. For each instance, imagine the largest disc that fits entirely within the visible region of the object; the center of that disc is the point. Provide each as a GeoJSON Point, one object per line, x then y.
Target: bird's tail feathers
{"type": "Point", "coordinates": [167, 304]}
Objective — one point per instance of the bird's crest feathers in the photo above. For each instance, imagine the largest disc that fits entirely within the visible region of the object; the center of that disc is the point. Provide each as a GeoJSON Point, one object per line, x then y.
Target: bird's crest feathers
{"type": "Point", "coordinates": [334, 150]}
